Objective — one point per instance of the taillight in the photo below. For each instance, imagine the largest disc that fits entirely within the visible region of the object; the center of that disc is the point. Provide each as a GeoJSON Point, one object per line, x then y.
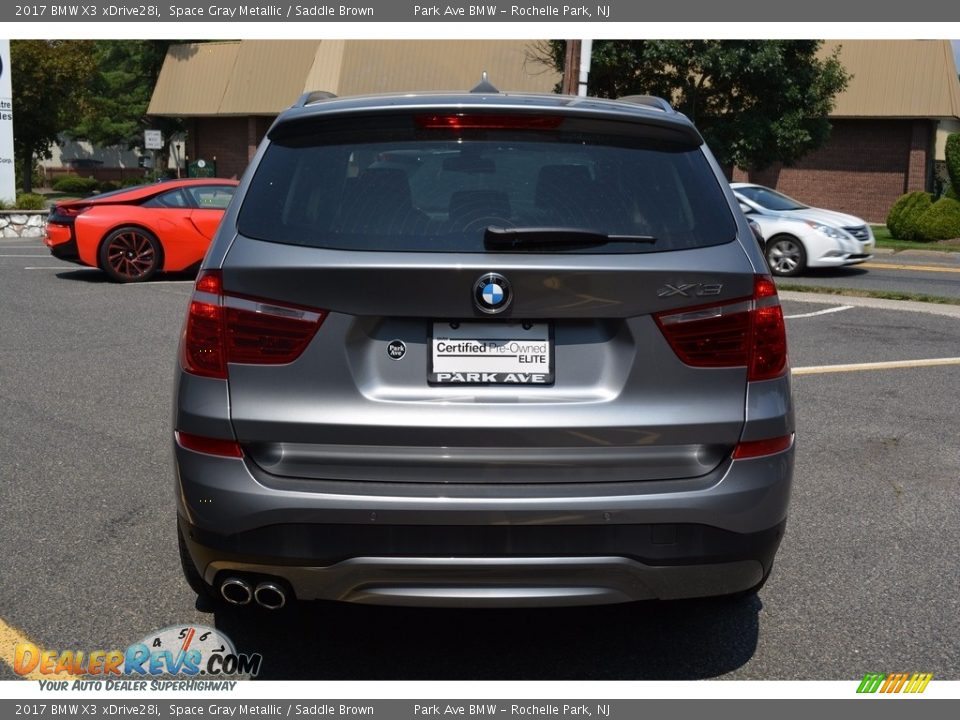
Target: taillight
{"type": "Point", "coordinates": [226, 328]}
{"type": "Point", "coordinates": [70, 211]}
{"type": "Point", "coordinates": [746, 332]}
{"type": "Point", "coordinates": [462, 121]}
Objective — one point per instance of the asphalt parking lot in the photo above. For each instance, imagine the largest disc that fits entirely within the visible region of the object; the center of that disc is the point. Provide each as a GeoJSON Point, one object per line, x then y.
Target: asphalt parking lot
{"type": "Point", "coordinates": [866, 580]}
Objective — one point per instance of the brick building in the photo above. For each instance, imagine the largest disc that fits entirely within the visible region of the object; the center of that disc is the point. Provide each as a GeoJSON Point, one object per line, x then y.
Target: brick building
{"type": "Point", "coordinates": [889, 129]}
{"type": "Point", "coordinates": [230, 92]}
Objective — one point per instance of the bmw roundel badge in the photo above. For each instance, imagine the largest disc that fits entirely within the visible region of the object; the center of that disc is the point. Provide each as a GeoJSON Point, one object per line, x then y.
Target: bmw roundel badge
{"type": "Point", "coordinates": [492, 293]}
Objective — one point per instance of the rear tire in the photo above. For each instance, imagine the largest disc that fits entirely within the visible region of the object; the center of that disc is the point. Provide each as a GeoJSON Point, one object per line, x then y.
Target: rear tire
{"type": "Point", "coordinates": [130, 254]}
{"type": "Point", "coordinates": [786, 256]}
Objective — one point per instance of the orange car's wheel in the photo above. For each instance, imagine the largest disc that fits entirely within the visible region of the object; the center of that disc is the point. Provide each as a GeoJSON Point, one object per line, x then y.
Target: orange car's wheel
{"type": "Point", "coordinates": [130, 254]}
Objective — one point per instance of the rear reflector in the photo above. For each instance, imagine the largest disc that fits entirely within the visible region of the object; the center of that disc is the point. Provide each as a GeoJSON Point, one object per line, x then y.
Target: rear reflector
{"type": "Point", "coordinates": [210, 446]}
{"type": "Point", "coordinates": [759, 448]}
{"type": "Point", "coordinates": [745, 332]}
{"type": "Point", "coordinates": [222, 328]}
{"type": "Point", "coordinates": [489, 122]}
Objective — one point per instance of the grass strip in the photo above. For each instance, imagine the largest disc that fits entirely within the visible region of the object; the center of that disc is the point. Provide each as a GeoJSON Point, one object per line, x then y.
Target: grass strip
{"type": "Point", "coordinates": [881, 294]}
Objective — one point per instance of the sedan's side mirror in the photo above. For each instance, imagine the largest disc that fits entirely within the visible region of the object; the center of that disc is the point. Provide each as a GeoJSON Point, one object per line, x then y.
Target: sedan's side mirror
{"type": "Point", "coordinates": [755, 229]}
{"type": "Point", "coordinates": [746, 208]}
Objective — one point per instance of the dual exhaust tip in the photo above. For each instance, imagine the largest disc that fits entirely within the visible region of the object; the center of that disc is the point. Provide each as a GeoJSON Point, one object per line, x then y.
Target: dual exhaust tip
{"type": "Point", "coordinates": [238, 591]}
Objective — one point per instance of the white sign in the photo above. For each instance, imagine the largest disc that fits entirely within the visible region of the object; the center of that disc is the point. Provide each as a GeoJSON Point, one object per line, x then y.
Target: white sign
{"type": "Point", "coordinates": [8, 181]}
{"type": "Point", "coordinates": [152, 139]}
{"type": "Point", "coordinates": [491, 354]}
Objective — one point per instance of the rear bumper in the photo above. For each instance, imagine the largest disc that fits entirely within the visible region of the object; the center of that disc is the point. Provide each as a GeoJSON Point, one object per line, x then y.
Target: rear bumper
{"type": "Point", "coordinates": [62, 243]}
{"type": "Point", "coordinates": [389, 543]}
{"type": "Point", "coordinates": [498, 582]}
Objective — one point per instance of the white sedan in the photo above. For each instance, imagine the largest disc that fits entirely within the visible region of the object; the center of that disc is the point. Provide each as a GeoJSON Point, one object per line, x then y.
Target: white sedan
{"type": "Point", "coordinates": [798, 236]}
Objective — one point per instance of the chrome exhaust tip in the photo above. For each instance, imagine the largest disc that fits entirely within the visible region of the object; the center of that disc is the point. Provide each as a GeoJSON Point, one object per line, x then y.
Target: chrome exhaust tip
{"type": "Point", "coordinates": [270, 595]}
{"type": "Point", "coordinates": [236, 591]}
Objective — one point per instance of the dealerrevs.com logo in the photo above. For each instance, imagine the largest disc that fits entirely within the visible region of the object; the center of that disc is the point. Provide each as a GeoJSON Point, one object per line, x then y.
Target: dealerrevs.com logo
{"type": "Point", "coordinates": [180, 651]}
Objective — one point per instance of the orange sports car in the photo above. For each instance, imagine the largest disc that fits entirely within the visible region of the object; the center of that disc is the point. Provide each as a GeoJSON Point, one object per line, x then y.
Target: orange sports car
{"type": "Point", "coordinates": [133, 233]}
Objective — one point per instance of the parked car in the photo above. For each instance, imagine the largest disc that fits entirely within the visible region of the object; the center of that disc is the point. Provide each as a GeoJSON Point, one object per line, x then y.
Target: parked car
{"type": "Point", "coordinates": [133, 233]}
{"type": "Point", "coordinates": [509, 372]}
{"type": "Point", "coordinates": [798, 236]}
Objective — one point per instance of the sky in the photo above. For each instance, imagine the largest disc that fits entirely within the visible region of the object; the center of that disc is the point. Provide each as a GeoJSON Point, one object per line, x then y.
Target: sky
{"type": "Point", "coordinates": [956, 51]}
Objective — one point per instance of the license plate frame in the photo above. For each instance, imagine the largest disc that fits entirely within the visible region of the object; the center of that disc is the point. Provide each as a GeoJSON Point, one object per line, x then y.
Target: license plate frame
{"type": "Point", "coordinates": [501, 372]}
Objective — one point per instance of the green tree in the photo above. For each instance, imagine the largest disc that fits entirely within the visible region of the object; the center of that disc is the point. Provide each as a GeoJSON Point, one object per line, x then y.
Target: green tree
{"type": "Point", "coordinates": [114, 111]}
{"type": "Point", "coordinates": [756, 102]}
{"type": "Point", "coordinates": [50, 79]}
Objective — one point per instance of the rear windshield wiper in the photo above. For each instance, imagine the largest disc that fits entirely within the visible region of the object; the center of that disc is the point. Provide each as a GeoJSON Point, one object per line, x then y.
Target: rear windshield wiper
{"type": "Point", "coordinates": [507, 238]}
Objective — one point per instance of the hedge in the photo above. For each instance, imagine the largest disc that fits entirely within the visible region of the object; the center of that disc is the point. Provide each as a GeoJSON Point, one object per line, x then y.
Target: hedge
{"type": "Point", "coordinates": [906, 211]}
{"type": "Point", "coordinates": [75, 184]}
{"type": "Point", "coordinates": [941, 221]}
{"type": "Point", "coordinates": [952, 156]}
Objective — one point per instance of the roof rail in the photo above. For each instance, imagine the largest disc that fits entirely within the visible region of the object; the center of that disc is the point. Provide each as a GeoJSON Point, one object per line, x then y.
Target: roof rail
{"type": "Point", "coordinates": [484, 86]}
{"type": "Point", "coordinates": [650, 101]}
{"type": "Point", "coordinates": [313, 96]}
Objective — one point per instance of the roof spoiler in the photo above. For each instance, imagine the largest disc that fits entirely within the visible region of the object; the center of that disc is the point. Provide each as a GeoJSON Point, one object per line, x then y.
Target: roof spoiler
{"type": "Point", "coordinates": [650, 101]}
{"type": "Point", "coordinates": [312, 97]}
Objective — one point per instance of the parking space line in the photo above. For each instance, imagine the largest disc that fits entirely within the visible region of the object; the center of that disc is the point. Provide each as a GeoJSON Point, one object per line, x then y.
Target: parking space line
{"type": "Point", "coordinates": [819, 312]}
{"type": "Point", "coordinates": [9, 639]}
{"type": "Point", "coordinates": [889, 365]}
{"type": "Point", "coordinates": [914, 268]}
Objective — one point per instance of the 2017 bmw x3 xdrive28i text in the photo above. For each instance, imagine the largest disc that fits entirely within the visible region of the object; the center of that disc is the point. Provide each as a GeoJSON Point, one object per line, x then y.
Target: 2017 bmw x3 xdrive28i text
{"type": "Point", "coordinates": [482, 349]}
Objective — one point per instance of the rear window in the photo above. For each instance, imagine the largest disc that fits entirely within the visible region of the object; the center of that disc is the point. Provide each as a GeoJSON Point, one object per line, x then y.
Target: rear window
{"type": "Point", "coordinates": [403, 188]}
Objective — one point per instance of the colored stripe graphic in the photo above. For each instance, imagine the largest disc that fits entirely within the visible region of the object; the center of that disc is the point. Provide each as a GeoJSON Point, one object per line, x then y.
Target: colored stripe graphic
{"type": "Point", "coordinates": [894, 683]}
{"type": "Point", "coordinates": [919, 682]}
{"type": "Point", "coordinates": [871, 682]}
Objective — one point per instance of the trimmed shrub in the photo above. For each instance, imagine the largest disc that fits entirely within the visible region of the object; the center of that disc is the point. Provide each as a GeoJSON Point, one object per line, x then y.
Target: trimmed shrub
{"type": "Point", "coordinates": [109, 185]}
{"type": "Point", "coordinates": [941, 221]}
{"type": "Point", "coordinates": [30, 201]}
{"type": "Point", "coordinates": [132, 181]}
{"type": "Point", "coordinates": [75, 184]}
{"type": "Point", "coordinates": [951, 193]}
{"type": "Point", "coordinates": [906, 211]}
{"type": "Point", "coordinates": [952, 156]}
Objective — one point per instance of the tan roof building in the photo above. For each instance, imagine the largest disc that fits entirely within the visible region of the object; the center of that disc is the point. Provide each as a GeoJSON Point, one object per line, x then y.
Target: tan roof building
{"type": "Point", "coordinates": [889, 126]}
{"type": "Point", "coordinates": [900, 79]}
{"type": "Point", "coordinates": [263, 77]}
{"type": "Point", "coordinates": [889, 129]}
{"type": "Point", "coordinates": [229, 92]}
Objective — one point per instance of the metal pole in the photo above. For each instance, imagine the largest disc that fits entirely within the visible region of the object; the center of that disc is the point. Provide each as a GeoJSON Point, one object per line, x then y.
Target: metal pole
{"type": "Point", "coordinates": [586, 49]}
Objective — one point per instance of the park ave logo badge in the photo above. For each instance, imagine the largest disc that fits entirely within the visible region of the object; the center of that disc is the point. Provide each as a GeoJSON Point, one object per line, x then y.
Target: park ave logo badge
{"type": "Point", "coordinates": [492, 293]}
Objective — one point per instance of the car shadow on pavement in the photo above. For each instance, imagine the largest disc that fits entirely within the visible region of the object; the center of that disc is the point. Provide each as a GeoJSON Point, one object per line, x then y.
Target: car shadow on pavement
{"type": "Point", "coordinates": [840, 272]}
{"type": "Point", "coordinates": [95, 276]}
{"type": "Point", "coordinates": [87, 275]}
{"type": "Point", "coordinates": [680, 640]}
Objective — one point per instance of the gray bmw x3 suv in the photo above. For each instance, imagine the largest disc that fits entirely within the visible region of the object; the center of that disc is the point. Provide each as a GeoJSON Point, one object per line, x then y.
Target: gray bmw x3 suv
{"type": "Point", "coordinates": [482, 349]}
